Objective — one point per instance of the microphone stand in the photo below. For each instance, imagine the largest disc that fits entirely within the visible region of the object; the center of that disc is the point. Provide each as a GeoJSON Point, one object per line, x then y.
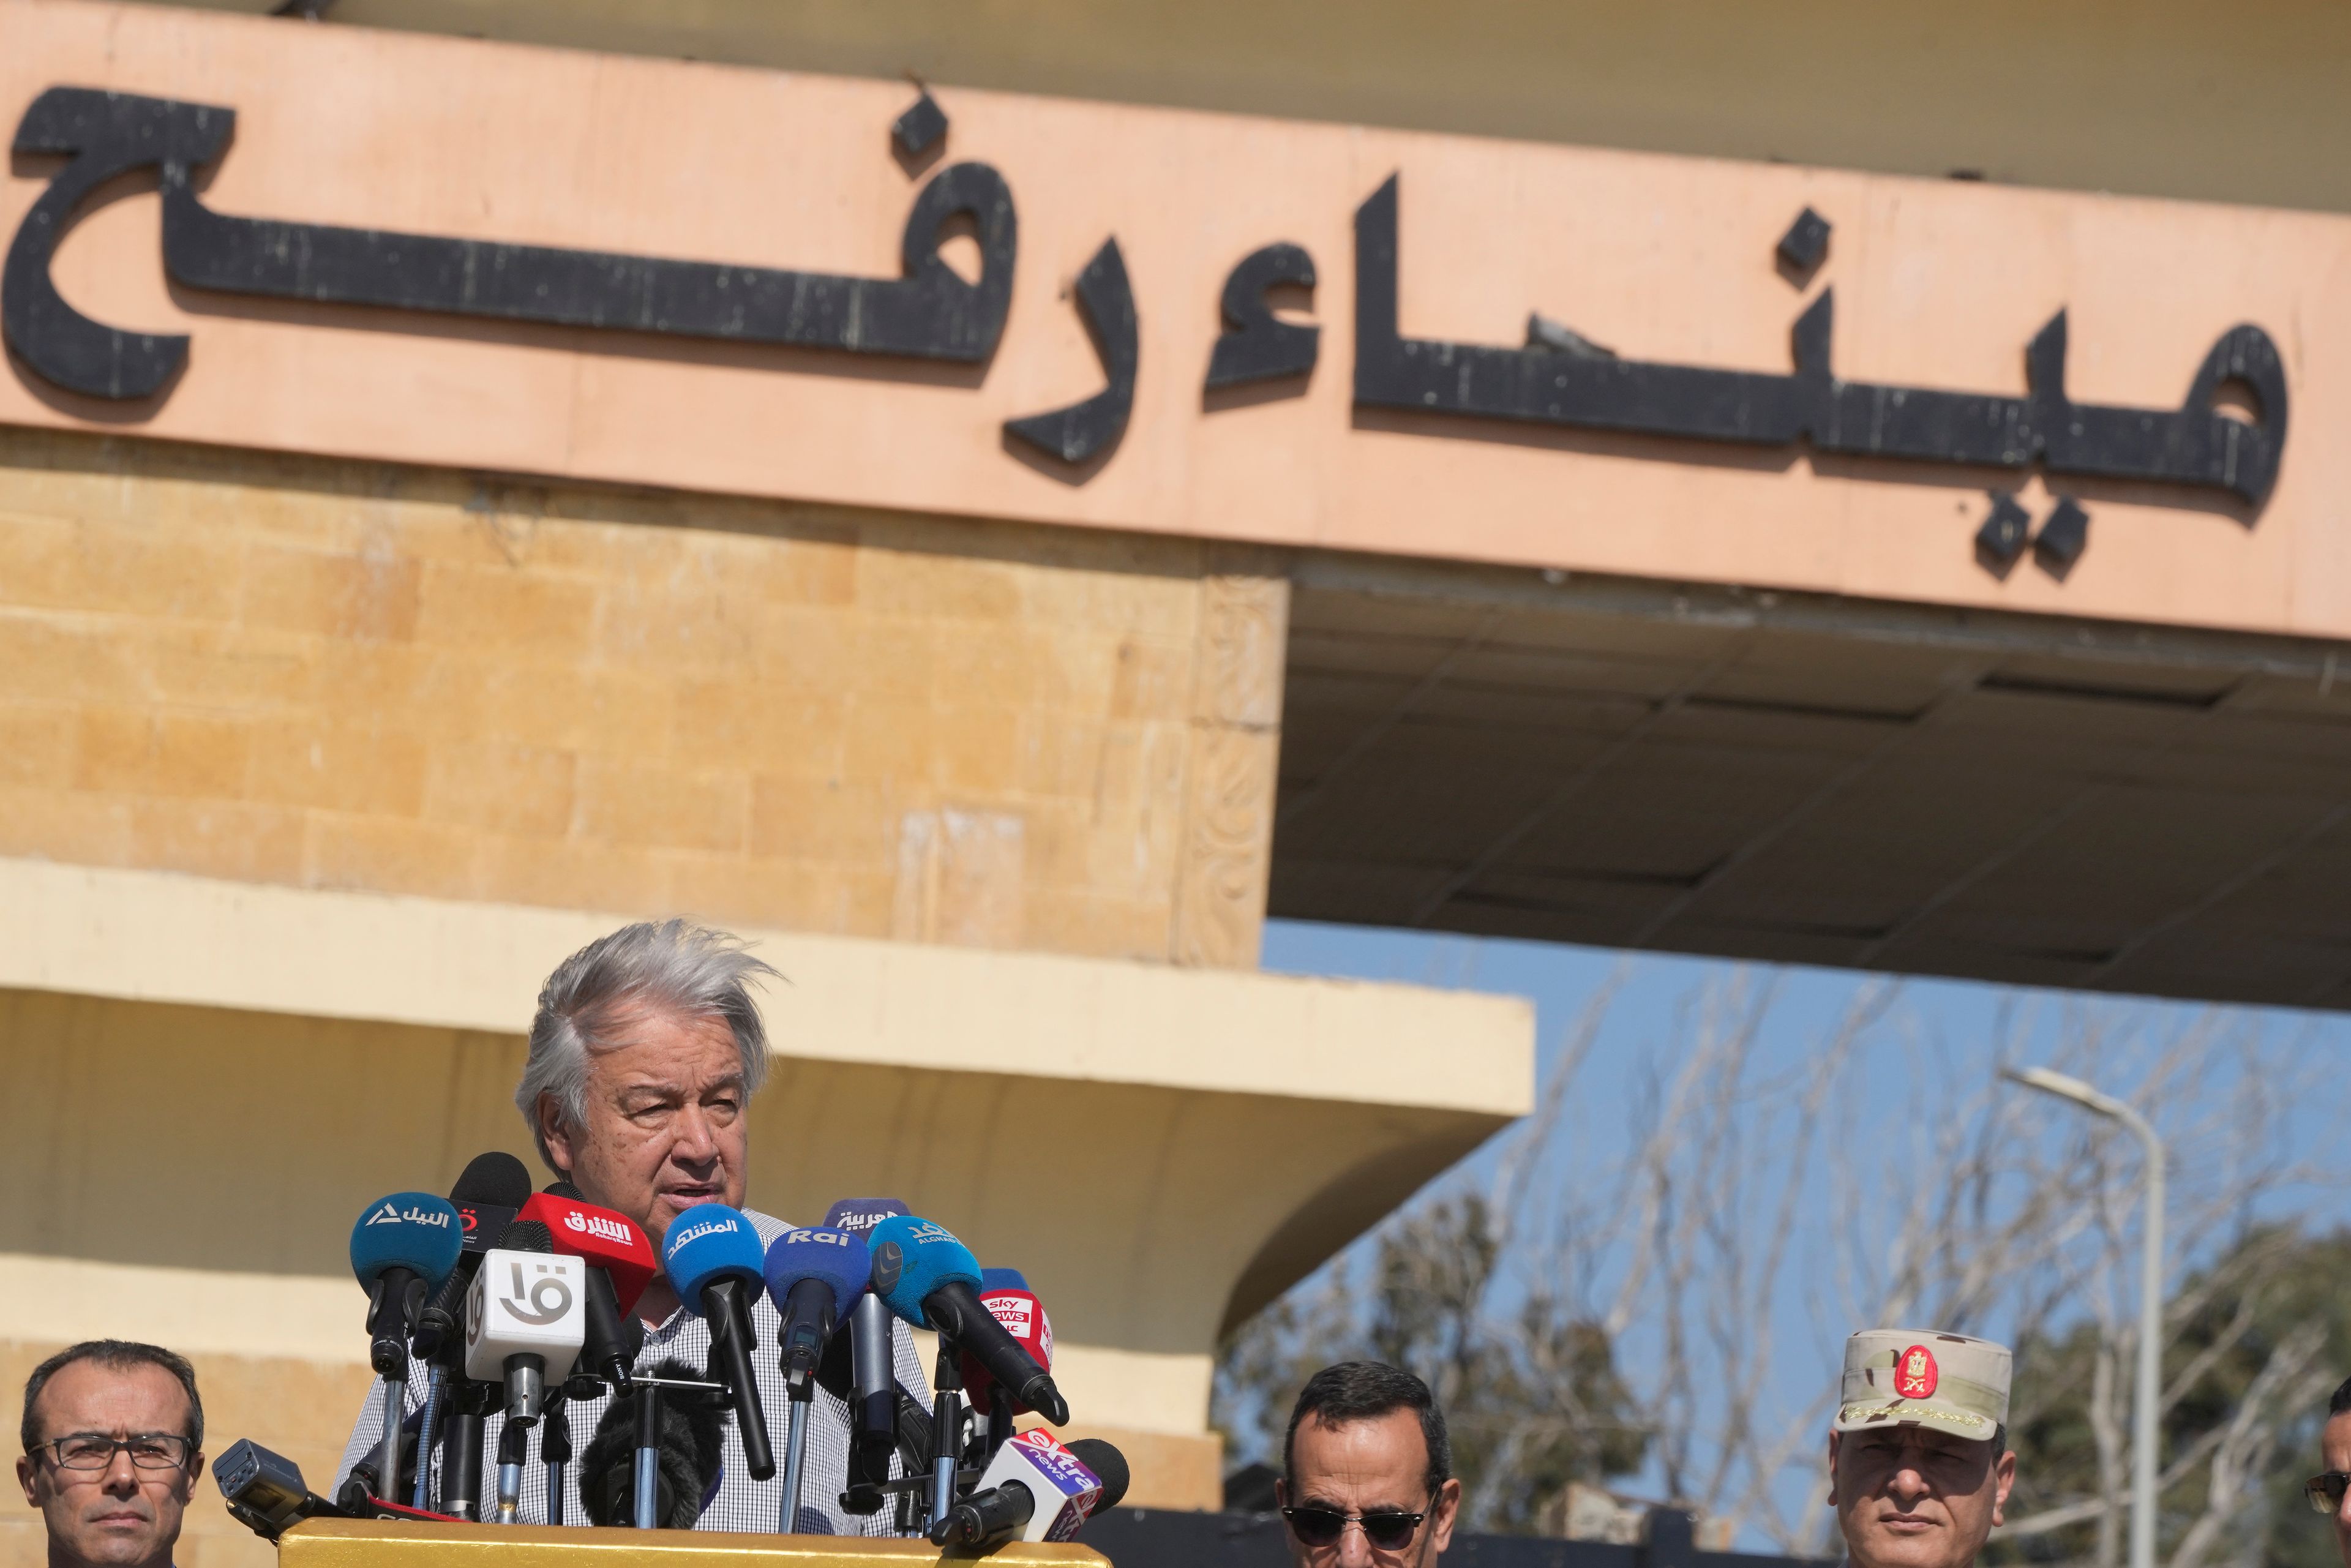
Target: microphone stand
{"type": "Point", "coordinates": [436, 1388]}
{"type": "Point", "coordinates": [461, 1450]}
{"type": "Point", "coordinates": [803, 1394]}
{"type": "Point", "coordinates": [555, 1449]}
{"type": "Point", "coordinates": [645, 1478]}
{"type": "Point", "coordinates": [947, 1430]}
{"type": "Point", "coordinates": [514, 1448]}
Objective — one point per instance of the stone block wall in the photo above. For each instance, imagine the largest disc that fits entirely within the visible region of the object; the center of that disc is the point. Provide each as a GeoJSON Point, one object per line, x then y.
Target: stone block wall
{"type": "Point", "coordinates": [354, 675]}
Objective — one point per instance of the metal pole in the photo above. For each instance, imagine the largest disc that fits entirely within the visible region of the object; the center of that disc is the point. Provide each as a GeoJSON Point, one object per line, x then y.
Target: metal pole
{"type": "Point", "coordinates": [795, 1455]}
{"type": "Point", "coordinates": [387, 1452]}
{"type": "Point", "coordinates": [2146, 1393]}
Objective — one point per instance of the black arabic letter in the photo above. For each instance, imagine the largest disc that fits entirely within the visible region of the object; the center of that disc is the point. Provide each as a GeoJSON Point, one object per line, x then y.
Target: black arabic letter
{"type": "Point", "coordinates": [1257, 345]}
{"type": "Point", "coordinates": [1107, 301]}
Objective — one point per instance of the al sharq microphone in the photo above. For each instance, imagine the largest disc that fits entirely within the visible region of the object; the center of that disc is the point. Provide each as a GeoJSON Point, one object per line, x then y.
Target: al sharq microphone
{"type": "Point", "coordinates": [620, 1264]}
{"type": "Point", "coordinates": [402, 1248]}
{"type": "Point", "coordinates": [714, 1260]}
{"type": "Point", "coordinates": [814, 1276]}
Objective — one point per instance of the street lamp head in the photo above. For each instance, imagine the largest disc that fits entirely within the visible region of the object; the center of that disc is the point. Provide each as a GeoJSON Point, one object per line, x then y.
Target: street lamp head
{"type": "Point", "coordinates": [2065, 1088]}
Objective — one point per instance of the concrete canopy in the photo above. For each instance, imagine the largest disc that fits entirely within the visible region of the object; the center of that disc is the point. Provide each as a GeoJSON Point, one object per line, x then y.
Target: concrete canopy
{"type": "Point", "coordinates": [1819, 780]}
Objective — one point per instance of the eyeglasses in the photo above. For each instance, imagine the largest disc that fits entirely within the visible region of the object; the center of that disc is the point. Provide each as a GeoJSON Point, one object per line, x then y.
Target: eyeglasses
{"type": "Point", "coordinates": [96, 1451]}
{"type": "Point", "coordinates": [2325, 1492]}
{"type": "Point", "coordinates": [1387, 1530]}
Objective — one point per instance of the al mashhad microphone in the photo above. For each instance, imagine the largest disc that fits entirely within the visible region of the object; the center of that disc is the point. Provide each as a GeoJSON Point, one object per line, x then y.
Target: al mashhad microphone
{"type": "Point", "coordinates": [402, 1248]}
{"type": "Point", "coordinates": [934, 1284]}
{"type": "Point", "coordinates": [1035, 1489]}
{"type": "Point", "coordinates": [690, 1442]}
{"type": "Point", "coordinates": [869, 1387]}
{"type": "Point", "coordinates": [526, 1319]}
{"type": "Point", "coordinates": [814, 1275]}
{"type": "Point", "coordinates": [487, 1195]}
{"type": "Point", "coordinates": [714, 1260]}
{"type": "Point", "coordinates": [620, 1264]}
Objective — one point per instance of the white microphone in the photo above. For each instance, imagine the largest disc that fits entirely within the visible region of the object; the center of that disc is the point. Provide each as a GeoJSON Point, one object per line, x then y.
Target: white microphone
{"type": "Point", "coordinates": [526, 1319]}
{"type": "Point", "coordinates": [1034, 1489]}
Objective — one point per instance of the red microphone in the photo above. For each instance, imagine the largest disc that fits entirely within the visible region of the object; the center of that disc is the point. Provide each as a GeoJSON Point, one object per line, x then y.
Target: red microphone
{"type": "Point", "coordinates": [620, 1264]}
{"type": "Point", "coordinates": [1023, 1317]}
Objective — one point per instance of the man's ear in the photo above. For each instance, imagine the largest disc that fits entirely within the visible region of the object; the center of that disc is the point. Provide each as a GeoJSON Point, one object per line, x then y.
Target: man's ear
{"type": "Point", "coordinates": [2003, 1477]}
{"type": "Point", "coordinates": [1447, 1509]}
{"type": "Point", "coordinates": [189, 1473]}
{"type": "Point", "coordinates": [555, 1135]}
{"type": "Point", "coordinates": [1280, 1492]}
{"type": "Point", "coordinates": [1831, 1500]}
{"type": "Point", "coordinates": [28, 1469]}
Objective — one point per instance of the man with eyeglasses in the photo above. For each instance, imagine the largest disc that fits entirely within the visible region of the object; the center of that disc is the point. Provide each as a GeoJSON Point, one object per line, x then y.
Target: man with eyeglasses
{"type": "Point", "coordinates": [1367, 1471]}
{"type": "Point", "coordinates": [2326, 1489]}
{"type": "Point", "coordinates": [113, 1436]}
{"type": "Point", "coordinates": [1920, 1466]}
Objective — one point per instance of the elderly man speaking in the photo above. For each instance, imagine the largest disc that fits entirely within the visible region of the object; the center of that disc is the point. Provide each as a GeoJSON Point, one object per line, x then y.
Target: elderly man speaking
{"type": "Point", "coordinates": [644, 1053]}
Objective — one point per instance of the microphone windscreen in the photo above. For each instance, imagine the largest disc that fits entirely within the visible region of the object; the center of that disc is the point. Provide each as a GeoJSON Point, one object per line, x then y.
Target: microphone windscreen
{"type": "Point", "coordinates": [707, 1243]}
{"type": "Point", "coordinates": [418, 1232]}
{"type": "Point", "coordinates": [1001, 1280]}
{"type": "Point", "coordinates": [528, 1236]}
{"type": "Point", "coordinates": [840, 1259]}
{"type": "Point", "coordinates": [912, 1259]}
{"type": "Point", "coordinates": [496, 1177]}
{"type": "Point", "coordinates": [565, 1189]}
{"type": "Point", "coordinates": [693, 1435]}
{"type": "Point", "coordinates": [859, 1215]}
{"type": "Point", "coordinates": [1108, 1464]}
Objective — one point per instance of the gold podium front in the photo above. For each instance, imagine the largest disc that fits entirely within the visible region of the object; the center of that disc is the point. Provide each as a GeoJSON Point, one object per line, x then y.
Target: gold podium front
{"type": "Point", "coordinates": [385, 1543]}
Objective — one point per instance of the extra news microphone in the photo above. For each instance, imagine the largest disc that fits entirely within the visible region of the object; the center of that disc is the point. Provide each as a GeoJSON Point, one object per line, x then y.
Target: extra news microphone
{"type": "Point", "coordinates": [813, 1275]}
{"type": "Point", "coordinates": [713, 1258]}
{"type": "Point", "coordinates": [872, 1354]}
{"type": "Point", "coordinates": [934, 1284]}
{"type": "Point", "coordinates": [1035, 1489]}
{"type": "Point", "coordinates": [402, 1248]}
{"type": "Point", "coordinates": [266, 1492]}
{"type": "Point", "coordinates": [620, 1265]}
{"type": "Point", "coordinates": [487, 1195]}
{"type": "Point", "coordinates": [690, 1441]}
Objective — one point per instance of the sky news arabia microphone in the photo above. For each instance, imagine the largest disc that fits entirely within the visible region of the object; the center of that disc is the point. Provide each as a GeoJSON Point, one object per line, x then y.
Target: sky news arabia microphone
{"type": "Point", "coordinates": [402, 1248]}
{"type": "Point", "coordinates": [872, 1354]}
{"type": "Point", "coordinates": [1010, 1301]}
{"type": "Point", "coordinates": [1035, 1489]}
{"type": "Point", "coordinates": [526, 1317]}
{"type": "Point", "coordinates": [714, 1260]}
{"type": "Point", "coordinates": [487, 1195]}
{"type": "Point", "coordinates": [815, 1275]}
{"type": "Point", "coordinates": [620, 1265]}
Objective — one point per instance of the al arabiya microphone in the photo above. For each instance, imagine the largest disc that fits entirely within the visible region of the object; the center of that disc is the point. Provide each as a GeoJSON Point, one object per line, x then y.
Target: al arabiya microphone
{"type": "Point", "coordinates": [402, 1248]}
{"type": "Point", "coordinates": [867, 1379]}
{"type": "Point", "coordinates": [692, 1448]}
{"type": "Point", "coordinates": [714, 1260]}
{"type": "Point", "coordinates": [933, 1281]}
{"type": "Point", "coordinates": [1035, 1489]}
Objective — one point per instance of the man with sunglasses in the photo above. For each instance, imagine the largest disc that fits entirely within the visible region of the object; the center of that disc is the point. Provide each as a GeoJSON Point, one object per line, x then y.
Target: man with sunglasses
{"type": "Point", "coordinates": [113, 1436]}
{"type": "Point", "coordinates": [1920, 1466]}
{"type": "Point", "coordinates": [2326, 1489]}
{"type": "Point", "coordinates": [1367, 1471]}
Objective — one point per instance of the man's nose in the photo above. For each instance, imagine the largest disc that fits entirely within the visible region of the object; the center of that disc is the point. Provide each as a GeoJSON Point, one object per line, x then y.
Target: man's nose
{"type": "Point", "coordinates": [1910, 1483]}
{"type": "Point", "coordinates": [122, 1478]}
{"type": "Point", "coordinates": [1355, 1546]}
{"type": "Point", "coordinates": [698, 1141]}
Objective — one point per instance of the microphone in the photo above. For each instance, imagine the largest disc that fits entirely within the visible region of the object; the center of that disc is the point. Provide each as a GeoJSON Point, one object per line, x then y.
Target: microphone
{"type": "Point", "coordinates": [402, 1248]}
{"type": "Point", "coordinates": [933, 1282]}
{"type": "Point", "coordinates": [690, 1442]}
{"type": "Point", "coordinates": [1010, 1301]}
{"type": "Point", "coordinates": [1034, 1489]}
{"type": "Point", "coordinates": [620, 1265]}
{"type": "Point", "coordinates": [713, 1258]}
{"type": "Point", "coordinates": [526, 1317]}
{"type": "Point", "coordinates": [811, 1275]}
{"type": "Point", "coordinates": [265, 1492]}
{"type": "Point", "coordinates": [486, 1196]}
{"type": "Point", "coordinates": [869, 1376]}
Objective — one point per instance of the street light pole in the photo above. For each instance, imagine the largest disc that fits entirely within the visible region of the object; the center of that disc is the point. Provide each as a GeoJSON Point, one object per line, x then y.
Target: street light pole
{"type": "Point", "coordinates": [2149, 1389]}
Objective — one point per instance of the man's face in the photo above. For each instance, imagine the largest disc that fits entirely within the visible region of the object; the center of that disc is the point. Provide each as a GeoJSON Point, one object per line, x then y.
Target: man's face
{"type": "Point", "coordinates": [1378, 1465]}
{"type": "Point", "coordinates": [1910, 1498]}
{"type": "Point", "coordinates": [2334, 1450]}
{"type": "Point", "coordinates": [664, 1127]}
{"type": "Point", "coordinates": [121, 1514]}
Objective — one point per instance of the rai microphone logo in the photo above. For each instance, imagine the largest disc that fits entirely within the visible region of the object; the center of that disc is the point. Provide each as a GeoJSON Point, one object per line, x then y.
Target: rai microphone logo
{"type": "Point", "coordinates": [1915, 1374]}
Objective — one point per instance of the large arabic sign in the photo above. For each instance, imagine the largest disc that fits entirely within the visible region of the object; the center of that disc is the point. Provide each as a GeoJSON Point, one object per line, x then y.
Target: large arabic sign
{"type": "Point", "coordinates": [1193, 270]}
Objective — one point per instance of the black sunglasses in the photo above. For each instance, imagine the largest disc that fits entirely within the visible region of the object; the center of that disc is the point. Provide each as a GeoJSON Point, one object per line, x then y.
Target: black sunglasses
{"type": "Point", "coordinates": [2325, 1492]}
{"type": "Point", "coordinates": [1387, 1530]}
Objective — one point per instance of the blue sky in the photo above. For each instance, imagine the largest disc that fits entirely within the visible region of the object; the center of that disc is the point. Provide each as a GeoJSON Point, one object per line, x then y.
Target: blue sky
{"type": "Point", "coordinates": [1960, 1020]}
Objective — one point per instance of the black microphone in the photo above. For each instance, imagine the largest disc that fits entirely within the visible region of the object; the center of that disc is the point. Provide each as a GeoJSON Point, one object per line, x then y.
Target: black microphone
{"type": "Point", "coordinates": [860, 1367]}
{"type": "Point", "coordinates": [486, 1194]}
{"type": "Point", "coordinates": [265, 1492]}
{"type": "Point", "coordinates": [692, 1440]}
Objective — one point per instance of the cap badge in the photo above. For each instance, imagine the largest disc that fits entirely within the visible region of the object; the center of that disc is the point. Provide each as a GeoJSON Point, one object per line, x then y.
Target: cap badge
{"type": "Point", "coordinates": [1915, 1374]}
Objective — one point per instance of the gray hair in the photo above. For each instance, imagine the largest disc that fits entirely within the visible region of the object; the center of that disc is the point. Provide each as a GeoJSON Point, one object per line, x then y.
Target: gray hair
{"type": "Point", "coordinates": [673, 966]}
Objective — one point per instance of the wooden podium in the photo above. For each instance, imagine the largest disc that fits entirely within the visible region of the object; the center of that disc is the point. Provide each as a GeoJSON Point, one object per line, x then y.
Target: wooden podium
{"type": "Point", "coordinates": [386, 1543]}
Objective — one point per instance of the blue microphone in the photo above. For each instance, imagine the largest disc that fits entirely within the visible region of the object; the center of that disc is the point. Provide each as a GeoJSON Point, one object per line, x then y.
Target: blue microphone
{"type": "Point", "coordinates": [712, 1258]}
{"type": "Point", "coordinates": [994, 1279]}
{"type": "Point", "coordinates": [402, 1246]}
{"type": "Point", "coordinates": [932, 1280]}
{"type": "Point", "coordinates": [814, 1276]}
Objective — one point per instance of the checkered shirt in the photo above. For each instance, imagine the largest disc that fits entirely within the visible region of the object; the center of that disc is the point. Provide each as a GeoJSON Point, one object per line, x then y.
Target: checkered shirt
{"type": "Point", "coordinates": [742, 1503]}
